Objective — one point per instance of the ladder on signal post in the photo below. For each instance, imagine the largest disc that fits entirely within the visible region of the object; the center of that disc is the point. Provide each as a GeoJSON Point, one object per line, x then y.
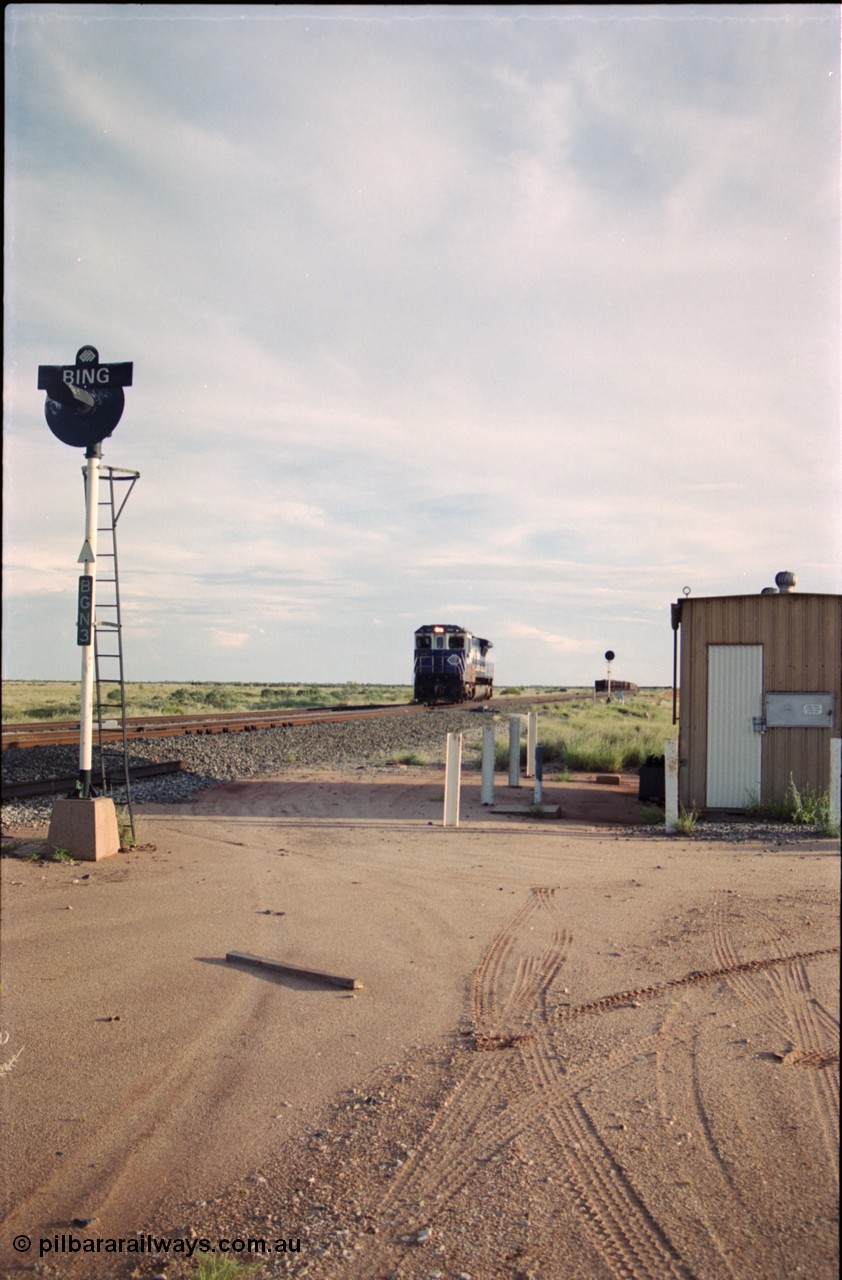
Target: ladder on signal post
{"type": "Point", "coordinates": [116, 485]}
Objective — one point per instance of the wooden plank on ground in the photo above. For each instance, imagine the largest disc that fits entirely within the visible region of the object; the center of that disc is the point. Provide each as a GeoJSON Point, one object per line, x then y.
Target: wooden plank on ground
{"type": "Point", "coordinates": [279, 966]}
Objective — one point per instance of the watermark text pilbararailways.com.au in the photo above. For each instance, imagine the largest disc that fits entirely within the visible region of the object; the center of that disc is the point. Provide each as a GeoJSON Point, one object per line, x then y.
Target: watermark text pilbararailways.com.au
{"type": "Point", "coordinates": [149, 1243]}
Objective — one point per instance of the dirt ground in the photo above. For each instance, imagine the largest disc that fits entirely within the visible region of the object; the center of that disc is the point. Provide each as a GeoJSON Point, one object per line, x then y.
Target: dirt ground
{"type": "Point", "coordinates": [578, 1051]}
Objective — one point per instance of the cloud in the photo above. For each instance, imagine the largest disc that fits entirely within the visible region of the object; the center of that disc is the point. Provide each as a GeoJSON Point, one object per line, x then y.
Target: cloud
{"type": "Point", "coordinates": [533, 312]}
{"type": "Point", "coordinates": [553, 643]}
{"type": "Point", "coordinates": [228, 639]}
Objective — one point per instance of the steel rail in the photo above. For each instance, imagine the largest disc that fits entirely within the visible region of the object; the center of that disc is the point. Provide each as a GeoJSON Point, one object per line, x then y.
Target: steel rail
{"type": "Point", "coordinates": [54, 786]}
{"type": "Point", "coordinates": [66, 732]}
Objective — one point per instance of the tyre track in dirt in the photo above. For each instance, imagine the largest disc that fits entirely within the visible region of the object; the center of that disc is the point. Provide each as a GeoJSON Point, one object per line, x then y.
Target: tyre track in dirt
{"type": "Point", "coordinates": [695, 1160]}
{"type": "Point", "coordinates": [614, 1221]}
{"type": "Point", "coordinates": [504, 1011]}
{"type": "Point", "coordinates": [740, 1224]}
{"type": "Point", "coordinates": [756, 986]}
{"type": "Point", "coordinates": [501, 1006]}
{"type": "Point", "coordinates": [681, 1107]}
{"type": "Point", "coordinates": [668, 1040]}
{"type": "Point", "coordinates": [810, 1030]}
{"type": "Point", "coordinates": [629, 1237]}
{"type": "Point", "coordinates": [475, 1121]}
{"type": "Point", "coordinates": [812, 1048]}
{"type": "Point", "coordinates": [741, 982]}
{"type": "Point", "coordinates": [526, 1091]}
{"type": "Point", "coordinates": [697, 976]}
{"type": "Point", "coordinates": [472, 1123]}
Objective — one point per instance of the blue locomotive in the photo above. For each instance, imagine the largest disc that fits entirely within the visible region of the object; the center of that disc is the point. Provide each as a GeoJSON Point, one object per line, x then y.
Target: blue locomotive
{"type": "Point", "coordinates": [451, 665]}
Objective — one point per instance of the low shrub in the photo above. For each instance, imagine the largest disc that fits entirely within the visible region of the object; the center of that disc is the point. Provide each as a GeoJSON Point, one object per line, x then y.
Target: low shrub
{"type": "Point", "coordinates": [221, 698]}
{"type": "Point", "coordinates": [686, 822]}
{"type": "Point", "coordinates": [592, 737]}
{"type": "Point", "coordinates": [54, 711]}
{"type": "Point", "coordinates": [409, 758]}
{"type": "Point", "coordinates": [213, 1266]}
{"type": "Point", "coordinates": [803, 808]}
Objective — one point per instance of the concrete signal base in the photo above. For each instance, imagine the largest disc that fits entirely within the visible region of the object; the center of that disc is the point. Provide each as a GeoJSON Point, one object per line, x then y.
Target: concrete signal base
{"type": "Point", "coordinates": [87, 829]}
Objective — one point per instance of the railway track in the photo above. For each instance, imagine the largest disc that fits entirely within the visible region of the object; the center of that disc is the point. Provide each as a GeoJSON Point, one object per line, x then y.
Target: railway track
{"type": "Point", "coordinates": [66, 785]}
{"type": "Point", "coordinates": [66, 732]}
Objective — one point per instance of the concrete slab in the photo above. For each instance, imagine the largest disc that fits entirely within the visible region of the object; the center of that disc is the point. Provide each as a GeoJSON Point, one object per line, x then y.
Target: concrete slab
{"type": "Point", "coordinates": [527, 811]}
{"type": "Point", "coordinates": [87, 829]}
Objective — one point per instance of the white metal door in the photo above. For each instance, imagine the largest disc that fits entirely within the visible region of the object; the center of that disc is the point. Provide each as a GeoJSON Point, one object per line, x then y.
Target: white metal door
{"type": "Point", "coordinates": [735, 701]}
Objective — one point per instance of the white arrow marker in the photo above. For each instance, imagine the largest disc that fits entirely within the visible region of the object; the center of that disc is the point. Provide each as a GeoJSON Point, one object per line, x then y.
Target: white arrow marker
{"type": "Point", "coordinates": [86, 556]}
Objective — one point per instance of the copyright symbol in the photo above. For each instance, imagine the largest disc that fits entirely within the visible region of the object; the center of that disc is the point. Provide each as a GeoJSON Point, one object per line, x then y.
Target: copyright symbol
{"type": "Point", "coordinates": [21, 1243]}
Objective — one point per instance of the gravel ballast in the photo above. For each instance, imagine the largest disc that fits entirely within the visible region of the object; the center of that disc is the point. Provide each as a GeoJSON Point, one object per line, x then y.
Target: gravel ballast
{"type": "Point", "coordinates": [210, 759]}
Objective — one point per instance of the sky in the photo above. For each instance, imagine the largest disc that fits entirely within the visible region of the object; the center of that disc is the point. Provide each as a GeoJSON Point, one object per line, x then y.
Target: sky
{"type": "Point", "coordinates": [523, 318]}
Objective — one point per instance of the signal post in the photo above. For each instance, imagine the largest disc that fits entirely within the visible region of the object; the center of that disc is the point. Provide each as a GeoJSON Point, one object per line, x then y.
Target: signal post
{"type": "Point", "coordinates": [84, 403]}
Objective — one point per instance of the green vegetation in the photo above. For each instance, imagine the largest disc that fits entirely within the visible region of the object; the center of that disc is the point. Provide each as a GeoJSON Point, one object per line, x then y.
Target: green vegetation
{"type": "Point", "coordinates": [409, 758]}
{"type": "Point", "coordinates": [213, 1266]}
{"type": "Point", "coordinates": [538, 811]}
{"type": "Point", "coordinates": [685, 823]}
{"type": "Point", "coordinates": [584, 736]}
{"type": "Point", "coordinates": [124, 827]}
{"type": "Point", "coordinates": [59, 699]}
{"type": "Point", "coordinates": [577, 737]}
{"type": "Point", "coordinates": [802, 808]}
{"type": "Point", "coordinates": [520, 691]}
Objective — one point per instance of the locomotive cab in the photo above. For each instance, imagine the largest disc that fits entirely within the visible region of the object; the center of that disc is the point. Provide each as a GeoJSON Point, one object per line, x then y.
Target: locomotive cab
{"type": "Point", "coordinates": [451, 665]}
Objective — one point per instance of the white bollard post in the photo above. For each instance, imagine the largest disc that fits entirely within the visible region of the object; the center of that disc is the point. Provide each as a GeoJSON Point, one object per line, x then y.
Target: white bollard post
{"type": "Point", "coordinates": [671, 783]}
{"type": "Point", "coordinates": [539, 775]}
{"type": "Point", "coordinates": [835, 780]}
{"type": "Point", "coordinates": [531, 739]}
{"type": "Point", "coordinates": [514, 751]}
{"type": "Point", "coordinates": [452, 772]}
{"type": "Point", "coordinates": [488, 745]}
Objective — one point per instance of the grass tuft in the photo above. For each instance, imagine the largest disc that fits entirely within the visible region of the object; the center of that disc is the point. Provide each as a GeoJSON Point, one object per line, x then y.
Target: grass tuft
{"type": "Point", "coordinates": [803, 808]}
{"type": "Point", "coordinates": [686, 822]}
{"type": "Point", "coordinates": [409, 758]}
{"type": "Point", "coordinates": [213, 1266]}
{"type": "Point", "coordinates": [584, 736]}
{"type": "Point", "coordinates": [6, 1067]}
{"type": "Point", "coordinates": [124, 827]}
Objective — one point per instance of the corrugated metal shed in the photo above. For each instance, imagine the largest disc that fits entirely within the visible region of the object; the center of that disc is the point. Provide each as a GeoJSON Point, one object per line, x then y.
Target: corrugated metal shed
{"type": "Point", "coordinates": [799, 638]}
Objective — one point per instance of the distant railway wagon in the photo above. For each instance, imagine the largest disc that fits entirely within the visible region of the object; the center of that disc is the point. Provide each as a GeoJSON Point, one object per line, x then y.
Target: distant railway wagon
{"type": "Point", "coordinates": [451, 665]}
{"type": "Point", "coordinates": [614, 686]}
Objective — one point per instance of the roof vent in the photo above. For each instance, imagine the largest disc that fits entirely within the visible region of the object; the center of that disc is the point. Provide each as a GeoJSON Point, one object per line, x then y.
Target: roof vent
{"type": "Point", "coordinates": [785, 581]}
{"type": "Point", "coordinates": [769, 591]}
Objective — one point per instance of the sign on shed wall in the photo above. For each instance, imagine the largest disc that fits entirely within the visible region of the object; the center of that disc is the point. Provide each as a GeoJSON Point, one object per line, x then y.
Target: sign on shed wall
{"type": "Point", "coordinates": [799, 710]}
